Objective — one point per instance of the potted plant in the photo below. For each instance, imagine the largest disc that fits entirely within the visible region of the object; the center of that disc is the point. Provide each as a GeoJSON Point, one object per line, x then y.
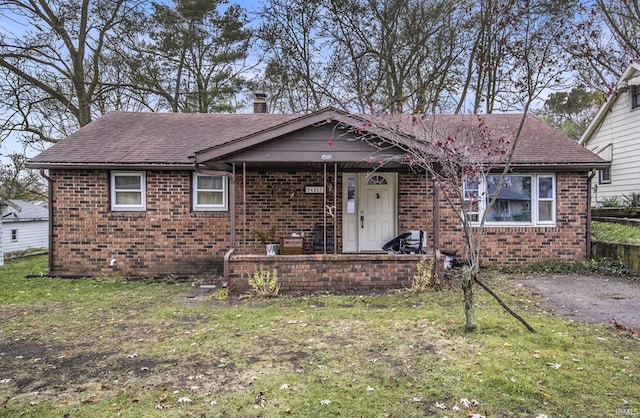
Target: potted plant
{"type": "Point", "coordinates": [266, 238]}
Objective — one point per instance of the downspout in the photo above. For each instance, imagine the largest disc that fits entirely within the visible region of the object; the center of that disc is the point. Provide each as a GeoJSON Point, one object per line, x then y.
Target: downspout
{"type": "Point", "coordinates": [232, 213]}
{"type": "Point", "coordinates": [50, 208]}
{"type": "Point", "coordinates": [588, 228]}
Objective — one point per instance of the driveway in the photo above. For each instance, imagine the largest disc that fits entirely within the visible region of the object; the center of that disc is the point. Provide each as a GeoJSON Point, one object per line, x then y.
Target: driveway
{"type": "Point", "coordinates": [590, 298]}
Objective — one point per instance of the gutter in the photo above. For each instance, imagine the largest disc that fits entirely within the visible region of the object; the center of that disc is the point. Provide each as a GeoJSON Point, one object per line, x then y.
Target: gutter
{"type": "Point", "coordinates": [50, 208]}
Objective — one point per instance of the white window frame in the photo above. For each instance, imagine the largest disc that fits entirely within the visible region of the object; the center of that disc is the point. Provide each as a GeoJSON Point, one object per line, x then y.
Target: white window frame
{"type": "Point", "coordinates": [533, 205]}
{"type": "Point", "coordinates": [142, 190]}
{"type": "Point", "coordinates": [224, 206]}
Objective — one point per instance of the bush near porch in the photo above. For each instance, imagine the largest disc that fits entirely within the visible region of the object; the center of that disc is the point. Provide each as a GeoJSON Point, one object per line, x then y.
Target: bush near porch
{"type": "Point", "coordinates": [104, 347]}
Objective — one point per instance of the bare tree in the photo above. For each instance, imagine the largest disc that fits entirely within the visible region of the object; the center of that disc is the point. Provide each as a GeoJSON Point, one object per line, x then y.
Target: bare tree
{"type": "Point", "coordinates": [461, 157]}
{"type": "Point", "coordinates": [502, 32]}
{"type": "Point", "coordinates": [18, 183]}
{"type": "Point", "coordinates": [298, 76]}
{"type": "Point", "coordinates": [605, 38]}
{"type": "Point", "coordinates": [54, 51]}
{"type": "Point", "coordinates": [402, 53]}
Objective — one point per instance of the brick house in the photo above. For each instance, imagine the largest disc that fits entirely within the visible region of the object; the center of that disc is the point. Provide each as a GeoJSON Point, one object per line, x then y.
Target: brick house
{"type": "Point", "coordinates": [155, 194]}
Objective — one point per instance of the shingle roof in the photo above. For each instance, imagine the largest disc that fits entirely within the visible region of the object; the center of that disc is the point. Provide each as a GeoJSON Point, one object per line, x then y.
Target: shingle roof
{"type": "Point", "coordinates": [538, 144]}
{"type": "Point", "coordinates": [26, 211]}
{"type": "Point", "coordinates": [170, 139]}
{"type": "Point", "coordinates": [145, 138]}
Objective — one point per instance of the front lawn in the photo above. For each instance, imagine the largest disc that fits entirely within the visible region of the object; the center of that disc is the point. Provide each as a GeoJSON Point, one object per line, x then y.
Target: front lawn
{"type": "Point", "coordinates": [106, 348]}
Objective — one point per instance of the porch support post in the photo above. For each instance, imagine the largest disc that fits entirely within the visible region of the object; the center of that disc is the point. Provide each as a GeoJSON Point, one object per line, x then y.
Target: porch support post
{"type": "Point", "coordinates": [335, 208]}
{"type": "Point", "coordinates": [324, 210]}
{"type": "Point", "coordinates": [244, 205]}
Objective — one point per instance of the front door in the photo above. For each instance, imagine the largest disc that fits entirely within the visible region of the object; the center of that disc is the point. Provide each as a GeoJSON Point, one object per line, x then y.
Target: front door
{"type": "Point", "coordinates": [369, 211]}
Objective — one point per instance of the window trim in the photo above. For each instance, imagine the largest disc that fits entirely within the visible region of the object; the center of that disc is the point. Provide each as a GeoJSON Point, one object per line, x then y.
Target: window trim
{"type": "Point", "coordinates": [635, 96]}
{"type": "Point", "coordinates": [142, 190]}
{"type": "Point", "coordinates": [210, 207]}
{"type": "Point", "coordinates": [534, 205]}
{"type": "Point", "coordinates": [14, 235]}
{"type": "Point", "coordinates": [602, 179]}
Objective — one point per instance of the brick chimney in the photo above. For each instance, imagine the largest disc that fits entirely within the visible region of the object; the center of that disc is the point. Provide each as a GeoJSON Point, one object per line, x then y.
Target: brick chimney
{"type": "Point", "coordinates": [260, 105]}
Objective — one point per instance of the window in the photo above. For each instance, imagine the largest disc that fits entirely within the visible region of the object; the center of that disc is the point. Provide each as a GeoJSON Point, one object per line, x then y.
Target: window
{"type": "Point", "coordinates": [635, 97]}
{"type": "Point", "coordinates": [128, 191]}
{"type": "Point", "coordinates": [209, 193]}
{"type": "Point", "coordinates": [604, 176]}
{"type": "Point", "coordinates": [376, 180]}
{"type": "Point", "coordinates": [472, 199]}
{"type": "Point", "coordinates": [522, 199]}
{"type": "Point", "coordinates": [14, 235]}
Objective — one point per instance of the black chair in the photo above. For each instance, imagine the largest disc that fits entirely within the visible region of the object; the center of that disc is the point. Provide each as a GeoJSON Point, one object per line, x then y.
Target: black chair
{"type": "Point", "coordinates": [413, 242]}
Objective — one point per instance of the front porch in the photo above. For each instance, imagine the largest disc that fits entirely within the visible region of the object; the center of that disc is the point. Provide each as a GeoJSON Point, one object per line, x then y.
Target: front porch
{"type": "Point", "coordinates": [328, 272]}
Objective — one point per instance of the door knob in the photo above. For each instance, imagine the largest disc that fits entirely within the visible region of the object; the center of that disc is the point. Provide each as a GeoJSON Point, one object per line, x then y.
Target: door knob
{"type": "Point", "coordinates": [362, 221]}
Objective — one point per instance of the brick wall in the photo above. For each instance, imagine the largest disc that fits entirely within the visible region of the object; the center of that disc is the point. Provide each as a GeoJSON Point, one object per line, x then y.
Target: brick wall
{"type": "Point", "coordinates": [169, 238]}
{"type": "Point", "coordinates": [278, 200]}
{"type": "Point", "coordinates": [511, 245]}
{"type": "Point", "coordinates": [327, 272]}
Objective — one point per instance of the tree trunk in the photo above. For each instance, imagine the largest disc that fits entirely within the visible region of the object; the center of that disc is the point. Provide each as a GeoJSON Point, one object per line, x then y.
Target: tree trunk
{"type": "Point", "coordinates": [469, 310]}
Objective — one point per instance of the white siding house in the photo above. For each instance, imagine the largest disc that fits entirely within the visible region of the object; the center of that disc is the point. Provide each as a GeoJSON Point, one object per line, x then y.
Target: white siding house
{"type": "Point", "coordinates": [25, 225]}
{"type": "Point", "coordinates": [614, 135]}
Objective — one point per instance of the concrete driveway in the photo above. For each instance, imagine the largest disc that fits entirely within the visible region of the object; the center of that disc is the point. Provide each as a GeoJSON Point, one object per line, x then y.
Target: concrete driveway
{"type": "Point", "coordinates": [590, 298]}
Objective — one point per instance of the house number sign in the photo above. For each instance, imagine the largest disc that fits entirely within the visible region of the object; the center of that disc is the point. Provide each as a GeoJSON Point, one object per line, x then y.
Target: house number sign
{"type": "Point", "coordinates": [314, 189]}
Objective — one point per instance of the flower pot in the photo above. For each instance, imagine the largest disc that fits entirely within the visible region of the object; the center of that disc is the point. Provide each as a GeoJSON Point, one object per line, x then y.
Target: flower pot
{"type": "Point", "coordinates": [273, 249]}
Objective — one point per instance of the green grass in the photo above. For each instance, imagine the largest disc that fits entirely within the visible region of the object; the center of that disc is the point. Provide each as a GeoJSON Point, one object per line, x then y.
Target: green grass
{"type": "Point", "coordinates": [614, 232]}
{"type": "Point", "coordinates": [106, 347]}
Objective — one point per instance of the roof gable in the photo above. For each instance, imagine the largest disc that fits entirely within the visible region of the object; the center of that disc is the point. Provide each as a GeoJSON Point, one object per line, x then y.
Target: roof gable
{"type": "Point", "coordinates": [632, 72]}
{"type": "Point", "coordinates": [324, 136]}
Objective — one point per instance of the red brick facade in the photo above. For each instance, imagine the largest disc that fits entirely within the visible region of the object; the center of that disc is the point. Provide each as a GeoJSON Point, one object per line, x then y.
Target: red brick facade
{"type": "Point", "coordinates": [170, 238]}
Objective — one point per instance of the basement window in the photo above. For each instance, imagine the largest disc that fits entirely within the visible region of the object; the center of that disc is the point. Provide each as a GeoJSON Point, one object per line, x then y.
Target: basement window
{"type": "Point", "coordinates": [209, 193]}
{"type": "Point", "coordinates": [128, 191]}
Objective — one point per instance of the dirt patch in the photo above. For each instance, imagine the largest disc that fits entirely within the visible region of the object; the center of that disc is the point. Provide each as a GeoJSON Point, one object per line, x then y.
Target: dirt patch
{"type": "Point", "coordinates": [590, 298]}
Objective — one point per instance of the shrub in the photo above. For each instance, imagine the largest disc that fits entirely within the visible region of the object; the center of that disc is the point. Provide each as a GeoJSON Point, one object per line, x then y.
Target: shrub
{"type": "Point", "coordinates": [422, 279]}
{"type": "Point", "coordinates": [611, 202]}
{"type": "Point", "coordinates": [632, 200]}
{"type": "Point", "coordinates": [602, 266]}
{"type": "Point", "coordinates": [221, 294]}
{"type": "Point", "coordinates": [265, 283]}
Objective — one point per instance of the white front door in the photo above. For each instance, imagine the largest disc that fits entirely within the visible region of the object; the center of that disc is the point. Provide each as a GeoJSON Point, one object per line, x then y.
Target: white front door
{"type": "Point", "coordinates": [369, 210]}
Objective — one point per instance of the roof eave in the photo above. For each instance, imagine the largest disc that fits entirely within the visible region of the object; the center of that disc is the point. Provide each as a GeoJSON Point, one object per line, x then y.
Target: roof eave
{"type": "Point", "coordinates": [109, 166]}
{"type": "Point", "coordinates": [578, 166]}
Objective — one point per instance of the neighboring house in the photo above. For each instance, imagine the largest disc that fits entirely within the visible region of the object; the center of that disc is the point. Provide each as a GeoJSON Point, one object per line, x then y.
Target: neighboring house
{"type": "Point", "coordinates": [184, 194]}
{"type": "Point", "coordinates": [25, 226]}
{"type": "Point", "coordinates": [614, 135]}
